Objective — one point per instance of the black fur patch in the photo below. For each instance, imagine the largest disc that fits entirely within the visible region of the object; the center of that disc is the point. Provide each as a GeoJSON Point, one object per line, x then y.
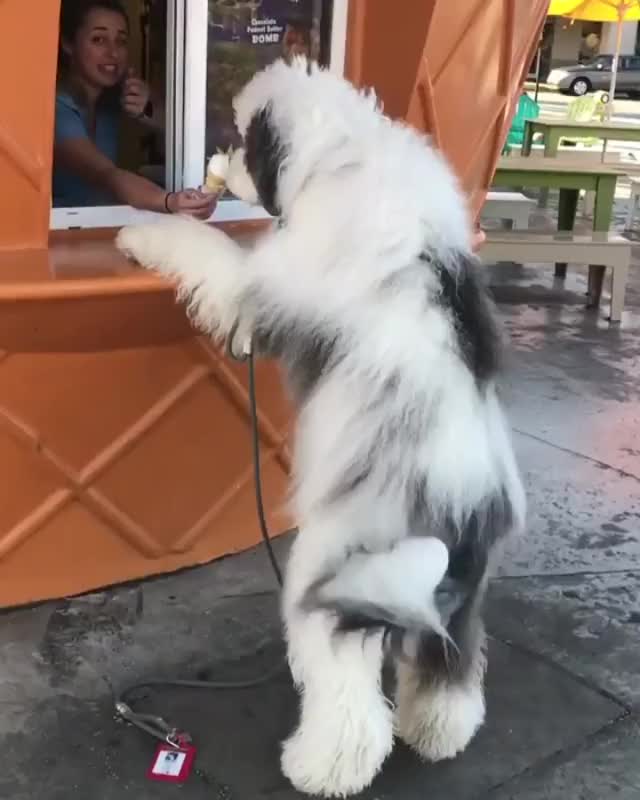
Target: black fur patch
{"type": "Point", "coordinates": [460, 596]}
{"type": "Point", "coordinates": [468, 559]}
{"type": "Point", "coordinates": [264, 154]}
{"type": "Point", "coordinates": [465, 295]}
{"type": "Point", "coordinates": [451, 594]}
{"type": "Point", "coordinates": [308, 355]}
{"type": "Point", "coordinates": [366, 618]}
{"type": "Point", "coordinates": [451, 661]}
{"type": "Point", "coordinates": [470, 543]}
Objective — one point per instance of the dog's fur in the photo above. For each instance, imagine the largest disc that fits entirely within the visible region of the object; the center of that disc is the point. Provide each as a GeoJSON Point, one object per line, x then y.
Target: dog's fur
{"type": "Point", "coordinates": [403, 470]}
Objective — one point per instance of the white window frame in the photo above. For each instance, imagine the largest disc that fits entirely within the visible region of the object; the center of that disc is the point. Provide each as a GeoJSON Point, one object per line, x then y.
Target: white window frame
{"type": "Point", "coordinates": [186, 97]}
{"type": "Point", "coordinates": [174, 91]}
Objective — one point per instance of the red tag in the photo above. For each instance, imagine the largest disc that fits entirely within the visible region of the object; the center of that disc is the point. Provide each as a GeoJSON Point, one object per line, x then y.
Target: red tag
{"type": "Point", "coordinates": [172, 764]}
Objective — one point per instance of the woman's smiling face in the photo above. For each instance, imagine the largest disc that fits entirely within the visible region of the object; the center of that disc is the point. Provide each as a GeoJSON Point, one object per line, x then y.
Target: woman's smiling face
{"type": "Point", "coordinates": [99, 52]}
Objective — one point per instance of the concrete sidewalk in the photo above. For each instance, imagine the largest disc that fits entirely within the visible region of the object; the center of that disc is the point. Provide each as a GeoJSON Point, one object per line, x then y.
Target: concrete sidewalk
{"type": "Point", "coordinates": [564, 618]}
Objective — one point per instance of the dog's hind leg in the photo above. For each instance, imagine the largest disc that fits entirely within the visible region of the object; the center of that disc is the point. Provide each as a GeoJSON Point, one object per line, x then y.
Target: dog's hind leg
{"type": "Point", "coordinates": [345, 731]}
{"type": "Point", "coordinates": [440, 695]}
{"type": "Point", "coordinates": [440, 687]}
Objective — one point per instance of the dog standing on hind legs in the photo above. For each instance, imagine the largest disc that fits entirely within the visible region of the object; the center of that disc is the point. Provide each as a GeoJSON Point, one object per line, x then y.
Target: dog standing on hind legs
{"type": "Point", "coordinates": [404, 480]}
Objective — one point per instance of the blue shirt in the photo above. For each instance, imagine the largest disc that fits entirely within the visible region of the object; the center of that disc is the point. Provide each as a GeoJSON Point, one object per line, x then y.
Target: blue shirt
{"type": "Point", "coordinates": [70, 189]}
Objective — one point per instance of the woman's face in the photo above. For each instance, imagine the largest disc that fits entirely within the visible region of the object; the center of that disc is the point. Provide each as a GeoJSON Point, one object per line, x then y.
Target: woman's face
{"type": "Point", "coordinates": [99, 52]}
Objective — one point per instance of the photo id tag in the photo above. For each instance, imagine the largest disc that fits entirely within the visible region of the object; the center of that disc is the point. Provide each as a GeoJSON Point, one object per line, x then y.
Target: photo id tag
{"type": "Point", "coordinates": [171, 764]}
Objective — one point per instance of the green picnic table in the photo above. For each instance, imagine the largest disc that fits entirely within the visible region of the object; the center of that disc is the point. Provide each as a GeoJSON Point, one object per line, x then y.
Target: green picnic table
{"type": "Point", "coordinates": [553, 129]}
{"type": "Point", "coordinates": [569, 177]}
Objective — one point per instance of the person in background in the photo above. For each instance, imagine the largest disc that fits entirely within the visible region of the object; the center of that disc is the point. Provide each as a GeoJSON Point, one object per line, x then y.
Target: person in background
{"type": "Point", "coordinates": [95, 88]}
{"type": "Point", "coordinates": [296, 41]}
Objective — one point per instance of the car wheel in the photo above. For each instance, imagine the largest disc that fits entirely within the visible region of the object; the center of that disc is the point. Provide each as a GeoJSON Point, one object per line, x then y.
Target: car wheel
{"type": "Point", "coordinates": [579, 87]}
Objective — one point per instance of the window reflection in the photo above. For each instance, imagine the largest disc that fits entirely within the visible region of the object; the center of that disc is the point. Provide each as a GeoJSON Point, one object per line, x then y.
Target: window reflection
{"type": "Point", "coordinates": [245, 36]}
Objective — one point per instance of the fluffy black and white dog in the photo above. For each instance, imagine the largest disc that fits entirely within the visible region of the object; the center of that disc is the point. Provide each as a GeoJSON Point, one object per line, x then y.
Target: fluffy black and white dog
{"type": "Point", "coordinates": [405, 483]}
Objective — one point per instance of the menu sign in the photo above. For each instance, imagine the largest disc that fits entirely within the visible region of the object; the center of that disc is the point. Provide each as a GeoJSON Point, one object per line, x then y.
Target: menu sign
{"type": "Point", "coordinates": [245, 36]}
{"type": "Point", "coordinates": [265, 31]}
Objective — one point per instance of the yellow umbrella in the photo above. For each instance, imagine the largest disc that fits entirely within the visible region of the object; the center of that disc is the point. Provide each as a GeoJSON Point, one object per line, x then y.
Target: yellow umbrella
{"type": "Point", "coordinates": [600, 11]}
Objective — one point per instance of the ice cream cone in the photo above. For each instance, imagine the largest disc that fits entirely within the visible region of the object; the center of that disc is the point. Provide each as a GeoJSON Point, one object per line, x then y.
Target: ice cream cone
{"type": "Point", "coordinates": [217, 170]}
{"type": "Point", "coordinates": [214, 185]}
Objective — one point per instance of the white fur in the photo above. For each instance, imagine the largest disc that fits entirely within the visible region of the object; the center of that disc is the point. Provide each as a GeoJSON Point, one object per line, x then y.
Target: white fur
{"type": "Point", "coordinates": [361, 196]}
{"type": "Point", "coordinates": [331, 126]}
{"type": "Point", "coordinates": [404, 578]}
{"type": "Point", "coordinates": [438, 721]}
{"type": "Point", "coordinates": [346, 726]}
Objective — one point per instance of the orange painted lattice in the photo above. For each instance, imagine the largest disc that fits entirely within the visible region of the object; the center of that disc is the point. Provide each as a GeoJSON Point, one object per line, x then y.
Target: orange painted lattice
{"type": "Point", "coordinates": [128, 463]}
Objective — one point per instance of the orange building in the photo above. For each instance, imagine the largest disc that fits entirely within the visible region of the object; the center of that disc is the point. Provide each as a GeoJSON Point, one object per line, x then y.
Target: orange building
{"type": "Point", "coordinates": [124, 437]}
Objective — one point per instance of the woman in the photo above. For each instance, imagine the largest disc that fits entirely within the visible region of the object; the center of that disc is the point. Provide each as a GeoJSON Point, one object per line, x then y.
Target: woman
{"type": "Point", "coordinates": [96, 86]}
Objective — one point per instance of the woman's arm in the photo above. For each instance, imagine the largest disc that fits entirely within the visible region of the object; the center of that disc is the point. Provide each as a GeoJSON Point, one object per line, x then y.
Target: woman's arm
{"type": "Point", "coordinates": [80, 156]}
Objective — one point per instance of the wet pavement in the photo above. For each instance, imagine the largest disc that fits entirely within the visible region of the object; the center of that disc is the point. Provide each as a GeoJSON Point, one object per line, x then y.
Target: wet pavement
{"type": "Point", "coordinates": [564, 615]}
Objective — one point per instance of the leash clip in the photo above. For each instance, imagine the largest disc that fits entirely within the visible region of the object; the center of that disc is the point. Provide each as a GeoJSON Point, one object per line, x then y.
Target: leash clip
{"type": "Point", "coordinates": [238, 354]}
{"type": "Point", "coordinates": [154, 726]}
{"type": "Point", "coordinates": [178, 740]}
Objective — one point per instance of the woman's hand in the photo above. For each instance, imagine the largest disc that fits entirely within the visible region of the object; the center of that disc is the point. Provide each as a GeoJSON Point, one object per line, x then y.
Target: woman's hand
{"type": "Point", "coordinates": [192, 202]}
{"type": "Point", "coordinates": [135, 95]}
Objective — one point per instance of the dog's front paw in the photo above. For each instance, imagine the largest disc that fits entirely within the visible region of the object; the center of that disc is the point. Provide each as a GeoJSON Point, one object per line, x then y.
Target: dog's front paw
{"type": "Point", "coordinates": [131, 240]}
{"type": "Point", "coordinates": [337, 759]}
{"type": "Point", "coordinates": [147, 244]}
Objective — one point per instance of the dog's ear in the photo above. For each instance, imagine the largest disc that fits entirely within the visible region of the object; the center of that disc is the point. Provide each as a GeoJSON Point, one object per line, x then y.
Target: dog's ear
{"type": "Point", "coordinates": [264, 154]}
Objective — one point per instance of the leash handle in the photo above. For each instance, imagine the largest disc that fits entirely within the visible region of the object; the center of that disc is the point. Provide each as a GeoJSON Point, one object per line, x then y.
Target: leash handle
{"type": "Point", "coordinates": [154, 726]}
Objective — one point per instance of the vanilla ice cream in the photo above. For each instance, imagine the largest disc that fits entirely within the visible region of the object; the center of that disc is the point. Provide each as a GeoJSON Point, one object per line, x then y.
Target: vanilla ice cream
{"type": "Point", "coordinates": [217, 170]}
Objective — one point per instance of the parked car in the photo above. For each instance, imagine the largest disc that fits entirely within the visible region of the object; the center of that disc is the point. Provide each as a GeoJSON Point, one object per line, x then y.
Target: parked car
{"type": "Point", "coordinates": [579, 79]}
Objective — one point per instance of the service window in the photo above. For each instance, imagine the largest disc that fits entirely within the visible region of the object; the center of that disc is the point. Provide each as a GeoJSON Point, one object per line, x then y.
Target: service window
{"type": "Point", "coordinates": [144, 91]}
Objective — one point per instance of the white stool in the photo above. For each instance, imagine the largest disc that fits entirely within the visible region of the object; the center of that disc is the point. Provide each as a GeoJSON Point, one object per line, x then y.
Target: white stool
{"type": "Point", "coordinates": [607, 249]}
{"type": "Point", "coordinates": [632, 205]}
{"type": "Point", "coordinates": [512, 206]}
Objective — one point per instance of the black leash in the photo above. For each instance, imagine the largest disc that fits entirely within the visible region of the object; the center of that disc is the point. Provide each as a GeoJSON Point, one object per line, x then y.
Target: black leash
{"type": "Point", "coordinates": [246, 354]}
{"type": "Point", "coordinates": [154, 725]}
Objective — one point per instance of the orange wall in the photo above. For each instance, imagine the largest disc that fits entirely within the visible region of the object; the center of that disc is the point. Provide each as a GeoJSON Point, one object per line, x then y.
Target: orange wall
{"type": "Point", "coordinates": [29, 35]}
{"type": "Point", "coordinates": [453, 68]}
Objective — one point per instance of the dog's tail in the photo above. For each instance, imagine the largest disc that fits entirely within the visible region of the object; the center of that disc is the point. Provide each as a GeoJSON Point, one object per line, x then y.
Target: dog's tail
{"type": "Point", "coordinates": [396, 591]}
